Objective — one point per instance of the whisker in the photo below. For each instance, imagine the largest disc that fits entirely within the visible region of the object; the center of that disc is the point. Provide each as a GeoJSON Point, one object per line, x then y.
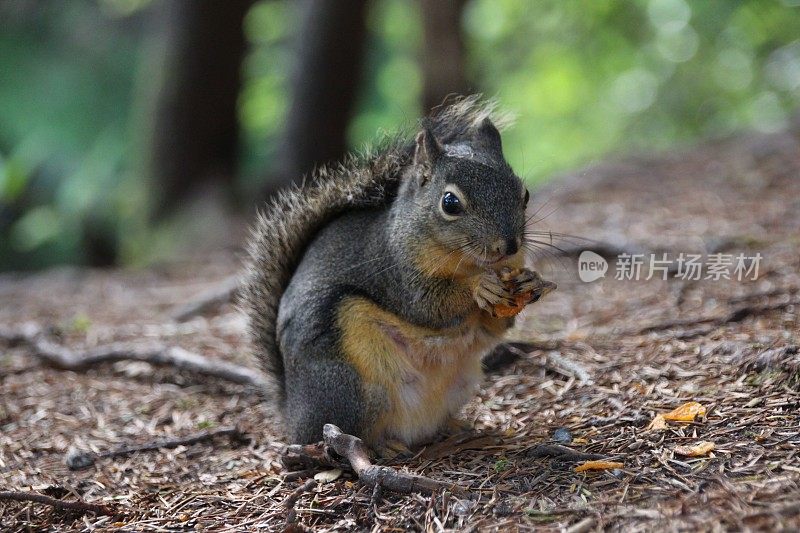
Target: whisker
{"type": "Point", "coordinates": [466, 243]}
{"type": "Point", "coordinates": [564, 236]}
{"type": "Point", "coordinates": [549, 245]}
{"type": "Point", "coordinates": [362, 263]}
{"type": "Point", "coordinates": [571, 245]}
{"type": "Point", "coordinates": [538, 209]}
{"type": "Point", "coordinates": [549, 254]}
{"type": "Point", "coordinates": [453, 277]}
{"type": "Point", "coordinates": [531, 221]}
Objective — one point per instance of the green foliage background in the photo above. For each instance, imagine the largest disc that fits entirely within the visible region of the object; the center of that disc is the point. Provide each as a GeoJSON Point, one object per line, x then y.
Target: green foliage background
{"type": "Point", "coordinates": [585, 79]}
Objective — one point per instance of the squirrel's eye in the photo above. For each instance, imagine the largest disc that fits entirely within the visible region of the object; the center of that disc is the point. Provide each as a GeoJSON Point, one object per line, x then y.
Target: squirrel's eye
{"type": "Point", "coordinates": [451, 205]}
{"type": "Point", "coordinates": [527, 196]}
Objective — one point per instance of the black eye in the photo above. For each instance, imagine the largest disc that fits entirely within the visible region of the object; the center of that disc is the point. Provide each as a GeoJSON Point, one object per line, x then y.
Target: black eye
{"type": "Point", "coordinates": [451, 205]}
{"type": "Point", "coordinates": [527, 196]}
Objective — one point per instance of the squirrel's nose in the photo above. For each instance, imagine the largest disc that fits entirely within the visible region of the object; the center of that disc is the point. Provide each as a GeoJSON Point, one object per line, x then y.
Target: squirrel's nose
{"type": "Point", "coordinates": [506, 246]}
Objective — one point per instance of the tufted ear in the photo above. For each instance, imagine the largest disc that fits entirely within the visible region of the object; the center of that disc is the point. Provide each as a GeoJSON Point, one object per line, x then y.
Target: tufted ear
{"type": "Point", "coordinates": [426, 152]}
{"type": "Point", "coordinates": [488, 138]}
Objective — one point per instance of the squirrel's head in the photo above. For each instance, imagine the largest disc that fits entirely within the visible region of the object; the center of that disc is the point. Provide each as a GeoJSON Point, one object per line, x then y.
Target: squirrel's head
{"type": "Point", "coordinates": [465, 197]}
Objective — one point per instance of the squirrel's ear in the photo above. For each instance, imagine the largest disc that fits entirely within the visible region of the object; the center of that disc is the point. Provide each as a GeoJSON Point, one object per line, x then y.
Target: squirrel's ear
{"type": "Point", "coordinates": [426, 152]}
{"type": "Point", "coordinates": [489, 138]}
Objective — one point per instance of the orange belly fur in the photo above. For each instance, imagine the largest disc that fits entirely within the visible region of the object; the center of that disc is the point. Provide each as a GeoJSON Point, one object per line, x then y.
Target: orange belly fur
{"type": "Point", "coordinates": [426, 374]}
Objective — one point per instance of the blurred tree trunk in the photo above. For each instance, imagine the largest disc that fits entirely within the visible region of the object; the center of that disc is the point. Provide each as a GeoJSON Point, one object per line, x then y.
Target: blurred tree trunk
{"type": "Point", "coordinates": [195, 128]}
{"type": "Point", "coordinates": [330, 49]}
{"type": "Point", "coordinates": [443, 54]}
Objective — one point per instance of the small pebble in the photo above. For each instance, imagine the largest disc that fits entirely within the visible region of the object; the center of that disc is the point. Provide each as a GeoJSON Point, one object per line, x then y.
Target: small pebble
{"type": "Point", "coordinates": [463, 507]}
{"type": "Point", "coordinates": [78, 460]}
{"type": "Point", "coordinates": [562, 435]}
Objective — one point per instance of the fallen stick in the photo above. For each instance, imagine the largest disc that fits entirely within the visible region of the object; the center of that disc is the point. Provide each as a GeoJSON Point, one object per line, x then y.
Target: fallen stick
{"type": "Point", "coordinates": [562, 453]}
{"type": "Point", "coordinates": [77, 460]}
{"type": "Point", "coordinates": [355, 451]}
{"type": "Point", "coordinates": [708, 324]}
{"type": "Point", "coordinates": [583, 526]}
{"type": "Point", "coordinates": [307, 456]}
{"type": "Point", "coordinates": [508, 353]}
{"type": "Point", "coordinates": [79, 505]}
{"type": "Point", "coordinates": [222, 294]}
{"type": "Point", "coordinates": [62, 358]}
{"type": "Point", "coordinates": [572, 368]}
{"type": "Point", "coordinates": [291, 501]}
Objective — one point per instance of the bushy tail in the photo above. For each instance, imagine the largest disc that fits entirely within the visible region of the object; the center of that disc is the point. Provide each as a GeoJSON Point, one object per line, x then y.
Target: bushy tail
{"type": "Point", "coordinates": [292, 219]}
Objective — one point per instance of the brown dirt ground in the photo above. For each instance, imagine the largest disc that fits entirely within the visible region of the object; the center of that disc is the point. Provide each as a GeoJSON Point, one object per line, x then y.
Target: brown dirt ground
{"type": "Point", "coordinates": [647, 346]}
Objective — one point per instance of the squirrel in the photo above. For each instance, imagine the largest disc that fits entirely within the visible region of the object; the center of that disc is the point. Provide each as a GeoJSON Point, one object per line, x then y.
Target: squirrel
{"type": "Point", "coordinates": [372, 290]}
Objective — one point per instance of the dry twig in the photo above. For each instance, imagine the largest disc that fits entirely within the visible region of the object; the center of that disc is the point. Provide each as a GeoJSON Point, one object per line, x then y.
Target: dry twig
{"type": "Point", "coordinates": [307, 456]}
{"type": "Point", "coordinates": [583, 526]}
{"type": "Point", "coordinates": [357, 454]}
{"type": "Point", "coordinates": [572, 367]}
{"type": "Point", "coordinates": [222, 294]}
{"type": "Point", "coordinates": [63, 358]}
{"type": "Point", "coordinates": [291, 501]}
{"type": "Point", "coordinates": [707, 325]}
{"type": "Point", "coordinates": [562, 453]}
{"type": "Point", "coordinates": [77, 460]}
{"type": "Point", "coordinates": [80, 505]}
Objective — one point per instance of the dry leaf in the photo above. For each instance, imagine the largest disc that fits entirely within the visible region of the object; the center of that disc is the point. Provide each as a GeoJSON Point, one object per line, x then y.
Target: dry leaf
{"type": "Point", "coordinates": [700, 449]}
{"type": "Point", "coordinates": [598, 465]}
{"type": "Point", "coordinates": [686, 412]}
{"type": "Point", "coordinates": [658, 423]}
{"type": "Point", "coordinates": [328, 475]}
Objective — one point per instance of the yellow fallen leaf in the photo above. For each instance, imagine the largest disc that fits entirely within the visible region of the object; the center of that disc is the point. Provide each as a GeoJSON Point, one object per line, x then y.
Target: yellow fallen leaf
{"type": "Point", "coordinates": [580, 440]}
{"type": "Point", "coordinates": [698, 450]}
{"type": "Point", "coordinates": [598, 465]}
{"type": "Point", "coordinates": [658, 423]}
{"type": "Point", "coordinates": [686, 412]}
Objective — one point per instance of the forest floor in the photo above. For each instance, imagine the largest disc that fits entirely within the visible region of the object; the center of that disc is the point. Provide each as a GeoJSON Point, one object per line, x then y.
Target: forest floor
{"type": "Point", "coordinates": [605, 359]}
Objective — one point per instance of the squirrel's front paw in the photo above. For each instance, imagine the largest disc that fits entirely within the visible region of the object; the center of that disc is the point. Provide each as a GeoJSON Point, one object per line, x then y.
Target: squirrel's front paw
{"type": "Point", "coordinates": [491, 291]}
{"type": "Point", "coordinates": [530, 283]}
{"type": "Point", "coordinates": [517, 288]}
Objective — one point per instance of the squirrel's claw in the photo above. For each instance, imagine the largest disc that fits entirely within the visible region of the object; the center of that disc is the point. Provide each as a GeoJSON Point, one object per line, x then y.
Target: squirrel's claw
{"type": "Point", "coordinates": [529, 281]}
{"type": "Point", "coordinates": [491, 291]}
